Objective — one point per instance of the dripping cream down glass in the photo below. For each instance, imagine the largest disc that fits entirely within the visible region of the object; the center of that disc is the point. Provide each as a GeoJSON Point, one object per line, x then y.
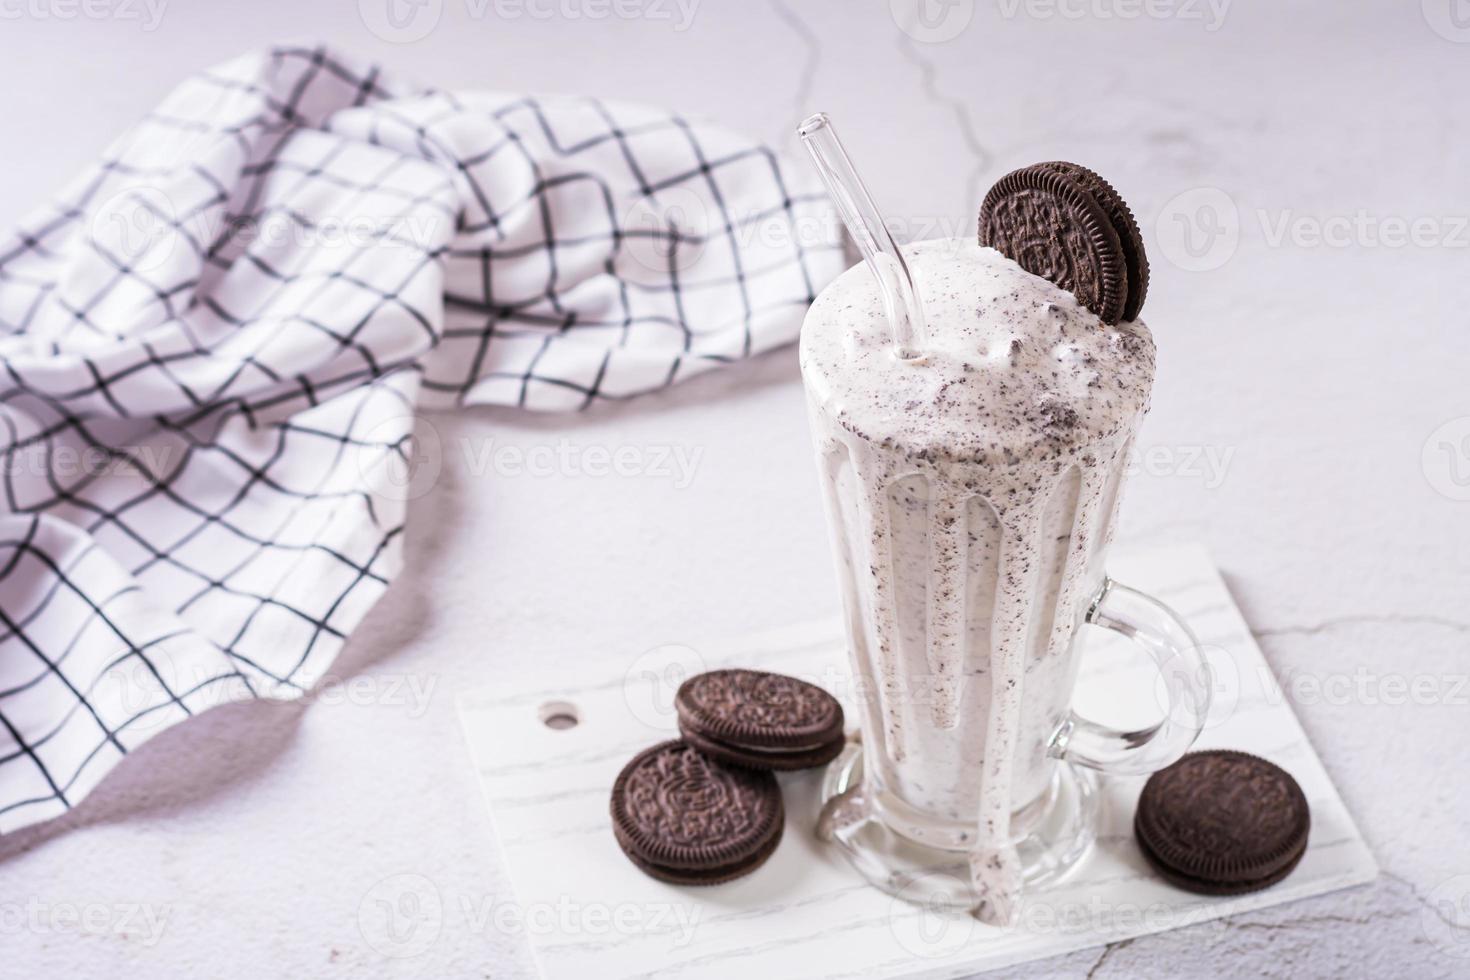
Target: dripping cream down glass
{"type": "Point", "coordinates": [972, 426]}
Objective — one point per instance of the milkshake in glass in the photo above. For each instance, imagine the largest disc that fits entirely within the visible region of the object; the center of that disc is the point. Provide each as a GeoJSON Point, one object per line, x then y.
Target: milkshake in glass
{"type": "Point", "coordinates": [971, 493]}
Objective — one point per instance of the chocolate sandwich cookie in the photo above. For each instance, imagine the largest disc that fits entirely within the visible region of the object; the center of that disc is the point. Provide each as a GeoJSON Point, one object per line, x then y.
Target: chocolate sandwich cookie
{"type": "Point", "coordinates": [760, 720]}
{"type": "Point", "coordinates": [774, 760]}
{"type": "Point", "coordinates": [1050, 224]}
{"type": "Point", "coordinates": [688, 819]}
{"type": "Point", "coordinates": [1222, 823]}
{"type": "Point", "coordinates": [1135, 260]}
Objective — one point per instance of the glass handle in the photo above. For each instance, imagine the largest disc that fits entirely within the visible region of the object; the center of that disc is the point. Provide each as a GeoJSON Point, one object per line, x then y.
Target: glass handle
{"type": "Point", "coordinates": [1174, 649]}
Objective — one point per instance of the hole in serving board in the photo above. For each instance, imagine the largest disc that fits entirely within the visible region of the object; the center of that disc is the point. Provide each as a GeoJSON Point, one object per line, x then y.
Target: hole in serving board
{"type": "Point", "coordinates": [559, 715]}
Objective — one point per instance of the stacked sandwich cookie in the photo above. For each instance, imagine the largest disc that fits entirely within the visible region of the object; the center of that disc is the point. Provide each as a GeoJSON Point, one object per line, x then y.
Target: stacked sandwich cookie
{"type": "Point", "coordinates": [707, 809]}
{"type": "Point", "coordinates": [760, 721]}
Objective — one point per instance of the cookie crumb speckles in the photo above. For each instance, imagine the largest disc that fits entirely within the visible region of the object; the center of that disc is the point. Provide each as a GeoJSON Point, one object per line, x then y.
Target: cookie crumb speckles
{"type": "Point", "coordinates": [1010, 336]}
{"type": "Point", "coordinates": [1057, 417]}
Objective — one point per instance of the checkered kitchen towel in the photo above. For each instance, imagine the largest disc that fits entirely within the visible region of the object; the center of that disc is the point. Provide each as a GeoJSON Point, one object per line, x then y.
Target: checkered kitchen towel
{"type": "Point", "coordinates": [213, 345]}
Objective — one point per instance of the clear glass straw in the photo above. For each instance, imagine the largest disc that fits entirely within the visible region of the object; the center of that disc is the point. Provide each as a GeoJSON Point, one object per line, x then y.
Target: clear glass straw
{"type": "Point", "coordinates": [865, 224]}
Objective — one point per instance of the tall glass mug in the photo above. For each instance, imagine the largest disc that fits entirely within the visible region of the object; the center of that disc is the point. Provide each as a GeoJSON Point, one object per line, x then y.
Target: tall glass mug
{"type": "Point", "coordinates": [971, 495]}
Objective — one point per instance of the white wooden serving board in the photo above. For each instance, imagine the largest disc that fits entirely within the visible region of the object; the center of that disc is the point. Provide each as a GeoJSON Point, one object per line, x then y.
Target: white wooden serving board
{"type": "Point", "coordinates": [589, 913]}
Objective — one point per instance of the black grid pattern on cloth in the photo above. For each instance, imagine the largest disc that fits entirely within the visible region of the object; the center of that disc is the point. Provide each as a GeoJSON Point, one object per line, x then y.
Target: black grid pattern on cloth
{"type": "Point", "coordinates": [214, 343]}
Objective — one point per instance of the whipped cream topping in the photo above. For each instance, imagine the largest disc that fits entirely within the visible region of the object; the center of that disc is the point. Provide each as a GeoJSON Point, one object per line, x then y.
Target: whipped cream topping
{"type": "Point", "coordinates": [1012, 364]}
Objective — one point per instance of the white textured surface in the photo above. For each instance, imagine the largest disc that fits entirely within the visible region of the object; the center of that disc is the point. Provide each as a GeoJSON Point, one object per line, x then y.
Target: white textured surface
{"type": "Point", "coordinates": [259, 831]}
{"type": "Point", "coordinates": [805, 913]}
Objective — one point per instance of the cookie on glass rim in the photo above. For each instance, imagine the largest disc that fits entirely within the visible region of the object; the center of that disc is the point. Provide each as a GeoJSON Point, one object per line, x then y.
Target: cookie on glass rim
{"type": "Point", "coordinates": [1064, 223]}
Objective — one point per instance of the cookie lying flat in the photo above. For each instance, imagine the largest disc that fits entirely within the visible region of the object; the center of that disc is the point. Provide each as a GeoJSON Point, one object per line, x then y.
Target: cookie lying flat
{"type": "Point", "coordinates": [688, 819]}
{"type": "Point", "coordinates": [1222, 823]}
{"type": "Point", "coordinates": [760, 720]}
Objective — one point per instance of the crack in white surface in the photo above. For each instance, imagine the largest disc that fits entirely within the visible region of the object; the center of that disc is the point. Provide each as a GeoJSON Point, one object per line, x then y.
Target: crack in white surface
{"type": "Point", "coordinates": [1291, 925]}
{"type": "Point", "coordinates": [1310, 629]}
{"type": "Point", "coordinates": [1107, 952]}
{"type": "Point", "coordinates": [928, 72]}
{"type": "Point", "coordinates": [1297, 923]}
{"type": "Point", "coordinates": [1419, 897]}
{"type": "Point", "coordinates": [802, 100]}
